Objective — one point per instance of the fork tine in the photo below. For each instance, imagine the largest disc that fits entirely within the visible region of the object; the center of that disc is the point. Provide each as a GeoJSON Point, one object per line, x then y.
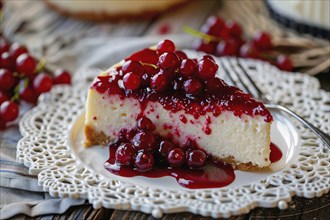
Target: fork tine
{"type": "Point", "coordinates": [243, 70]}
{"type": "Point", "coordinates": [231, 71]}
{"type": "Point", "coordinates": [223, 67]}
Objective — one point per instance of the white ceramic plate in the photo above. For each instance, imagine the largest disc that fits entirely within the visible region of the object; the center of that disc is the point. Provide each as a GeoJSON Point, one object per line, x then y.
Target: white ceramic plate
{"type": "Point", "coordinates": [284, 135]}
{"type": "Point", "coordinates": [52, 148]}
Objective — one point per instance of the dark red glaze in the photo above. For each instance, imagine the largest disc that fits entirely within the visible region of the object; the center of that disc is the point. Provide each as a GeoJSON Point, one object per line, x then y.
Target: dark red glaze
{"type": "Point", "coordinates": [275, 153]}
{"type": "Point", "coordinates": [213, 175]}
{"type": "Point", "coordinates": [227, 98]}
{"type": "Point", "coordinates": [145, 56]}
{"type": "Point", "coordinates": [183, 119]}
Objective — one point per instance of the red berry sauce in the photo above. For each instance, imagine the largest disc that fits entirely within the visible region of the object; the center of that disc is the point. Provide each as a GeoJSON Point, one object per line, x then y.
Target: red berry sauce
{"type": "Point", "coordinates": [213, 175]}
{"type": "Point", "coordinates": [275, 153]}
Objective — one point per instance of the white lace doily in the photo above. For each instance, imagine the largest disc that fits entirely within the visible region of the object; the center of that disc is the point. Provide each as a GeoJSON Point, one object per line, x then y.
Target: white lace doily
{"type": "Point", "coordinates": [45, 149]}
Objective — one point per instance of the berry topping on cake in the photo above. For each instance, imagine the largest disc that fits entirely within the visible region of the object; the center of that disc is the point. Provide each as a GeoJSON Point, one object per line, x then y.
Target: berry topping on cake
{"type": "Point", "coordinates": [159, 82]}
{"type": "Point", "coordinates": [144, 161]}
{"type": "Point", "coordinates": [176, 157]}
{"type": "Point", "coordinates": [145, 124]}
{"type": "Point", "coordinates": [125, 154]}
{"type": "Point", "coordinates": [132, 81]}
{"type": "Point", "coordinates": [165, 46]}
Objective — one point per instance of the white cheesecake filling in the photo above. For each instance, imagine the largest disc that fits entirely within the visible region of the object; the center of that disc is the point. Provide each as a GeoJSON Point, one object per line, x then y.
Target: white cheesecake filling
{"type": "Point", "coordinates": [245, 138]}
{"type": "Point", "coordinates": [115, 6]}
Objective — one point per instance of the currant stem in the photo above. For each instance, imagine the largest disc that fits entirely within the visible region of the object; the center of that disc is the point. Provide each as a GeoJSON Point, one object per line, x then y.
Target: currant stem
{"type": "Point", "coordinates": [149, 64]}
{"type": "Point", "coordinates": [15, 97]}
{"type": "Point", "coordinates": [196, 33]}
{"type": "Point", "coordinates": [41, 65]}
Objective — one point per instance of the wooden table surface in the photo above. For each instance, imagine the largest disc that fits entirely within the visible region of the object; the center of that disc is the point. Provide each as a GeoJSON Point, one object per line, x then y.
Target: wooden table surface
{"type": "Point", "coordinates": [299, 208]}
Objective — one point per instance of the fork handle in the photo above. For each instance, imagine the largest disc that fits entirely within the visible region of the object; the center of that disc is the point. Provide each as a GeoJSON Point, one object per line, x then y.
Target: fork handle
{"type": "Point", "coordinates": [323, 136]}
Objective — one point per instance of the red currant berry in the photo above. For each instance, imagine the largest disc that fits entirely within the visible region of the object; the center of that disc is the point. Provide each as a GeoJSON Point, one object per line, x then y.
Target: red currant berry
{"type": "Point", "coordinates": [27, 93]}
{"type": "Point", "coordinates": [182, 55]}
{"type": "Point", "coordinates": [144, 141]}
{"type": "Point", "coordinates": [190, 144]}
{"type": "Point", "coordinates": [159, 82]}
{"type": "Point", "coordinates": [133, 66]}
{"type": "Point", "coordinates": [196, 158]}
{"type": "Point", "coordinates": [206, 69]}
{"type": "Point", "coordinates": [234, 29]}
{"type": "Point", "coordinates": [176, 157]}
{"type": "Point", "coordinates": [61, 77]}
{"type": "Point", "coordinates": [122, 136]}
{"type": "Point", "coordinates": [26, 64]}
{"type": "Point", "coordinates": [165, 46]}
{"type": "Point", "coordinates": [213, 26]}
{"type": "Point", "coordinates": [132, 81]}
{"type": "Point", "coordinates": [248, 51]}
{"type": "Point", "coordinates": [284, 63]}
{"type": "Point", "coordinates": [169, 74]}
{"type": "Point", "coordinates": [3, 97]}
{"type": "Point", "coordinates": [206, 57]}
{"type": "Point", "coordinates": [145, 80]}
{"type": "Point", "coordinates": [227, 48]}
{"type": "Point", "coordinates": [130, 134]}
{"type": "Point", "coordinates": [192, 86]}
{"type": "Point", "coordinates": [16, 49]}
{"type": "Point", "coordinates": [177, 85]}
{"type": "Point", "coordinates": [187, 67]}
{"type": "Point", "coordinates": [214, 86]}
{"type": "Point", "coordinates": [4, 45]}
{"type": "Point", "coordinates": [144, 161]}
{"type": "Point", "coordinates": [207, 47]}
{"type": "Point", "coordinates": [168, 61]}
{"type": "Point", "coordinates": [262, 41]}
{"type": "Point", "coordinates": [2, 124]}
{"type": "Point", "coordinates": [165, 147]}
{"type": "Point", "coordinates": [42, 83]}
{"type": "Point", "coordinates": [6, 61]}
{"type": "Point", "coordinates": [145, 124]}
{"type": "Point", "coordinates": [9, 111]}
{"type": "Point", "coordinates": [125, 154]}
{"type": "Point", "coordinates": [164, 29]}
{"type": "Point", "coordinates": [7, 79]}
{"type": "Point", "coordinates": [150, 70]}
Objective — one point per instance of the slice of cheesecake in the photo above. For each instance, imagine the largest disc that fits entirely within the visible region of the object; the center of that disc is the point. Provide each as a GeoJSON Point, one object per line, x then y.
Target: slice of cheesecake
{"type": "Point", "coordinates": [186, 103]}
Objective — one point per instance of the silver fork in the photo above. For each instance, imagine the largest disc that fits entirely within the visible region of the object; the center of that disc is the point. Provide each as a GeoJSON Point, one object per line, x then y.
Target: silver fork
{"type": "Point", "coordinates": [266, 98]}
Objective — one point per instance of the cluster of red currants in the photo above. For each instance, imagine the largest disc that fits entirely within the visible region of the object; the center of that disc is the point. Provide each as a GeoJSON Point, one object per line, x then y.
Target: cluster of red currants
{"type": "Point", "coordinates": [139, 148]}
{"type": "Point", "coordinates": [173, 71]}
{"type": "Point", "coordinates": [225, 38]}
{"type": "Point", "coordinates": [22, 78]}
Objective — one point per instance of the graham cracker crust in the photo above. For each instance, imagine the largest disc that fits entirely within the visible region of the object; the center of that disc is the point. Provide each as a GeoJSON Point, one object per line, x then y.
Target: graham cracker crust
{"type": "Point", "coordinates": [99, 138]}
{"type": "Point", "coordinates": [96, 138]}
{"type": "Point", "coordinates": [238, 166]}
{"type": "Point", "coordinates": [103, 16]}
